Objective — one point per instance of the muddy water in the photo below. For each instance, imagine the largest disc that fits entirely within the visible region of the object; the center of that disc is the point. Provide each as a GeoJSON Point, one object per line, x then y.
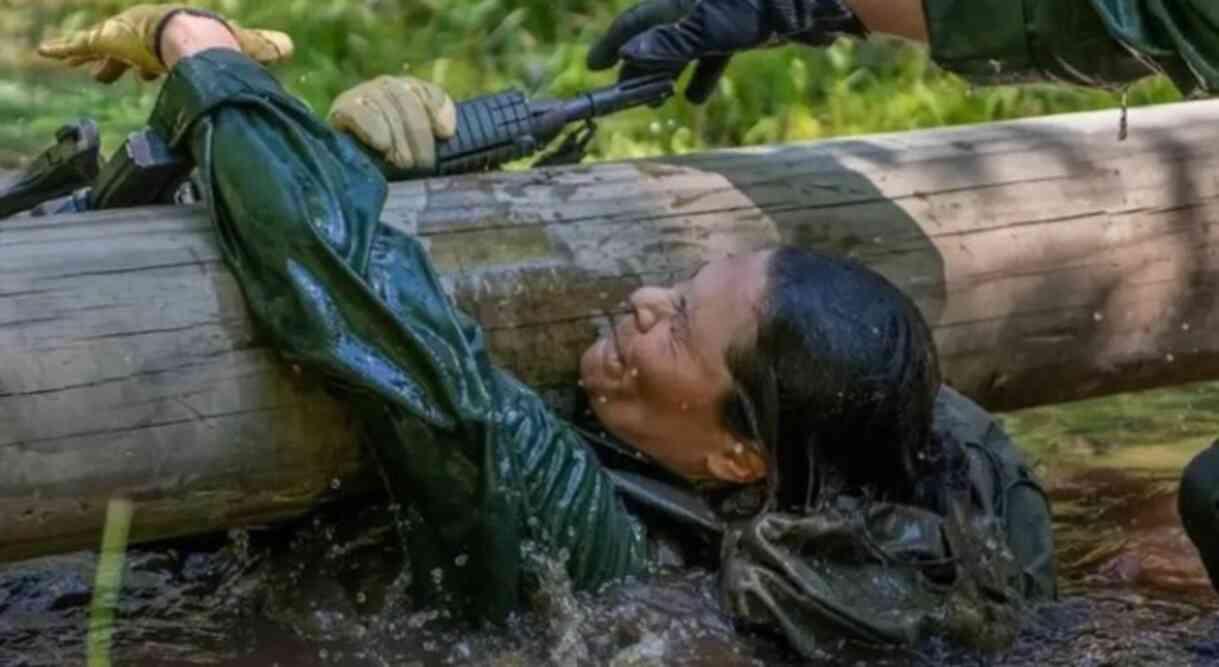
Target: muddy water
{"type": "Point", "coordinates": [326, 590]}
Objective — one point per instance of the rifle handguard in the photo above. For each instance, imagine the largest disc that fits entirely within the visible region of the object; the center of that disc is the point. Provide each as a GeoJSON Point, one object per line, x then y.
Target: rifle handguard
{"type": "Point", "coordinates": [70, 164]}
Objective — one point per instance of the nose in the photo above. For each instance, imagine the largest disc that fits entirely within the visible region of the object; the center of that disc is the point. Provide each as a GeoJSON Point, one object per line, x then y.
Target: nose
{"type": "Point", "coordinates": [651, 305]}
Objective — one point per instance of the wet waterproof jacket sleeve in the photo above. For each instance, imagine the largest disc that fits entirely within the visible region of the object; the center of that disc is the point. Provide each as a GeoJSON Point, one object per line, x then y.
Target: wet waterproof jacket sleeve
{"type": "Point", "coordinates": [490, 470]}
{"type": "Point", "coordinates": [1093, 42]}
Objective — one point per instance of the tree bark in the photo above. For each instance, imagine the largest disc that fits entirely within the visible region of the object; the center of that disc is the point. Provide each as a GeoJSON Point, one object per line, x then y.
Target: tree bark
{"type": "Point", "coordinates": [1053, 261]}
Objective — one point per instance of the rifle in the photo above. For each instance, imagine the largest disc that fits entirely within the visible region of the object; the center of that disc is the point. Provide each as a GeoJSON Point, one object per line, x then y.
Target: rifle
{"type": "Point", "coordinates": [491, 131]}
{"type": "Point", "coordinates": [71, 163]}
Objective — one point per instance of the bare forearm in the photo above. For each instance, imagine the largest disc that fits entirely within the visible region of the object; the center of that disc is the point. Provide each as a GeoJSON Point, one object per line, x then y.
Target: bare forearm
{"type": "Point", "coordinates": [904, 18]}
{"type": "Point", "coordinates": [187, 34]}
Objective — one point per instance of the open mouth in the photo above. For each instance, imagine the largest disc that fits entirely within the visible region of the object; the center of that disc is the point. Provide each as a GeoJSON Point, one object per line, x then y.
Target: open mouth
{"type": "Point", "coordinates": [612, 357]}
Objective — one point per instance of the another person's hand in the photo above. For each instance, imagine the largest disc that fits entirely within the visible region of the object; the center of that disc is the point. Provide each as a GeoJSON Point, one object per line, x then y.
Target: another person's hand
{"type": "Point", "coordinates": [666, 35]}
{"type": "Point", "coordinates": [399, 117]}
{"type": "Point", "coordinates": [131, 40]}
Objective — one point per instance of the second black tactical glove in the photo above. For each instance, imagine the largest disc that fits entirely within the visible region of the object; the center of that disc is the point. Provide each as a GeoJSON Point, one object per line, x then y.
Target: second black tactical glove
{"type": "Point", "coordinates": [666, 35]}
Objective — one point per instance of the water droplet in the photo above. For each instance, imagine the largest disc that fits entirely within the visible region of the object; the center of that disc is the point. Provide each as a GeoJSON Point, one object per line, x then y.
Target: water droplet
{"type": "Point", "coordinates": [603, 399]}
{"type": "Point", "coordinates": [634, 372]}
{"type": "Point", "coordinates": [1098, 316]}
{"type": "Point", "coordinates": [361, 598]}
{"type": "Point", "coordinates": [580, 383]}
{"type": "Point", "coordinates": [1169, 357]}
{"type": "Point", "coordinates": [336, 483]}
{"type": "Point", "coordinates": [461, 560]}
{"type": "Point", "coordinates": [1185, 326]}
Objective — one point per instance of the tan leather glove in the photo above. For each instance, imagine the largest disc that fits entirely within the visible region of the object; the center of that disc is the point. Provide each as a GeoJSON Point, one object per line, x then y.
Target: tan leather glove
{"type": "Point", "coordinates": [130, 40]}
{"type": "Point", "coordinates": [399, 117]}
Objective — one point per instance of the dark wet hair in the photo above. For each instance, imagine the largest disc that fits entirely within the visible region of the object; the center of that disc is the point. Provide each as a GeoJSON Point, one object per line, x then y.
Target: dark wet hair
{"type": "Point", "coordinates": [839, 384]}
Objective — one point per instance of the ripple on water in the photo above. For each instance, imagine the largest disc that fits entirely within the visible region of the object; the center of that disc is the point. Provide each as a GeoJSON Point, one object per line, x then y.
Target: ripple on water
{"type": "Point", "coordinates": [328, 591]}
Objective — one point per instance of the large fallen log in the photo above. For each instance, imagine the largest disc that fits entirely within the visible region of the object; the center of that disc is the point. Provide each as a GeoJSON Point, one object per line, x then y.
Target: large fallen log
{"type": "Point", "coordinates": [1054, 262]}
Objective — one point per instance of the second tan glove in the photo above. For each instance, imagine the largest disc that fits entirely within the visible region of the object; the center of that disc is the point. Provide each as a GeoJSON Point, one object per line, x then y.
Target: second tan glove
{"type": "Point", "coordinates": [399, 117]}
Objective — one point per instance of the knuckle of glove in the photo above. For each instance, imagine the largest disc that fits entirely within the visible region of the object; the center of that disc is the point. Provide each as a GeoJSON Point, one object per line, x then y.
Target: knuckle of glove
{"type": "Point", "coordinates": [445, 124]}
{"type": "Point", "coordinates": [813, 21]}
{"type": "Point", "coordinates": [265, 46]}
{"type": "Point", "coordinates": [788, 17]}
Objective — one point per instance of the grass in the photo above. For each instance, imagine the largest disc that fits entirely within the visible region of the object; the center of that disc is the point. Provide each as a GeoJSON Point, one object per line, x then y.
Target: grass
{"type": "Point", "coordinates": [1153, 431]}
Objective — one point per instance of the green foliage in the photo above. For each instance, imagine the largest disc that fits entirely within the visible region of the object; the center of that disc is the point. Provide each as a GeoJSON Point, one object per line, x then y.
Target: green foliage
{"type": "Point", "coordinates": [478, 46]}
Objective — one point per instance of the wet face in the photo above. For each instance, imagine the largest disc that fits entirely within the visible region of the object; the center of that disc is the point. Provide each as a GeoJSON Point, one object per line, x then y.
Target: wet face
{"type": "Point", "coordinates": [659, 379]}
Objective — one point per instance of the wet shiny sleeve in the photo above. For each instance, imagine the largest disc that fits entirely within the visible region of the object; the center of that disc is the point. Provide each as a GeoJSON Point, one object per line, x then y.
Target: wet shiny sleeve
{"type": "Point", "coordinates": [1182, 35]}
{"type": "Point", "coordinates": [296, 207]}
{"type": "Point", "coordinates": [1105, 43]}
{"type": "Point", "coordinates": [573, 507]}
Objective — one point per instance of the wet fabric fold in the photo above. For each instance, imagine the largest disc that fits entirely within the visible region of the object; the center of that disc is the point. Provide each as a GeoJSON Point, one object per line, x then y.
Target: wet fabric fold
{"type": "Point", "coordinates": [474, 453]}
{"type": "Point", "coordinates": [1103, 43]}
{"type": "Point", "coordinates": [891, 574]}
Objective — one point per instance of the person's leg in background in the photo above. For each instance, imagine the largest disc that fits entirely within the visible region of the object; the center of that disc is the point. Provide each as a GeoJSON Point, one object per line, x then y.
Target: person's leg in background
{"type": "Point", "coordinates": [1198, 504]}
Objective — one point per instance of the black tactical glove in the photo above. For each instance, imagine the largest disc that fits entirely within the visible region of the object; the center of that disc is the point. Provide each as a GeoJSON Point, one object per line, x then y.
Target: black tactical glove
{"type": "Point", "coordinates": [666, 35]}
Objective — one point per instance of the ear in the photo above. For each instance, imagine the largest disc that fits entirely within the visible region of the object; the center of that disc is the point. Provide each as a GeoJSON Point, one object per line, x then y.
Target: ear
{"type": "Point", "coordinates": [739, 463]}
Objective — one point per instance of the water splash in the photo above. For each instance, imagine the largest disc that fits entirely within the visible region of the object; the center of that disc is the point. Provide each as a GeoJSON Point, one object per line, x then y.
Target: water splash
{"type": "Point", "coordinates": [333, 590]}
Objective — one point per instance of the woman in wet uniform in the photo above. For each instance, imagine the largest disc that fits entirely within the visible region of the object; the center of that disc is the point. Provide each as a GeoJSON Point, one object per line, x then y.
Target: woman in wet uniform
{"type": "Point", "coordinates": [1102, 43]}
{"type": "Point", "coordinates": [790, 402]}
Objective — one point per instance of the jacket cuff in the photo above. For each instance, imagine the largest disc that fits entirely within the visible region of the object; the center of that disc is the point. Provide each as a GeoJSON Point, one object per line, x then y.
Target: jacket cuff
{"type": "Point", "coordinates": [1010, 41]}
{"type": "Point", "coordinates": [983, 40]}
{"type": "Point", "coordinates": [203, 82]}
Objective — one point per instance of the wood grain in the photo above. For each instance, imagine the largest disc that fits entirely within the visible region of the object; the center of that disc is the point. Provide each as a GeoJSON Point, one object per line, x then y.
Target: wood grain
{"type": "Point", "coordinates": [1053, 261]}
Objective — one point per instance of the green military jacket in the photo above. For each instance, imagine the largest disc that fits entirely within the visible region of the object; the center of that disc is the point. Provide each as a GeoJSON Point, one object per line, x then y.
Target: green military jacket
{"type": "Point", "coordinates": [1093, 42]}
{"type": "Point", "coordinates": [493, 477]}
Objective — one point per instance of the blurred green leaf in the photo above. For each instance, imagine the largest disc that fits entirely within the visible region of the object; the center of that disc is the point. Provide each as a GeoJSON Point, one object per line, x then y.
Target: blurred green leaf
{"type": "Point", "coordinates": [477, 46]}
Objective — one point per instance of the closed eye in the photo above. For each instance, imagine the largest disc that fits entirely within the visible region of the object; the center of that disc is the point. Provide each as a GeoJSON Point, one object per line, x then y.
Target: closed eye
{"type": "Point", "coordinates": [681, 319]}
{"type": "Point", "coordinates": [678, 325]}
